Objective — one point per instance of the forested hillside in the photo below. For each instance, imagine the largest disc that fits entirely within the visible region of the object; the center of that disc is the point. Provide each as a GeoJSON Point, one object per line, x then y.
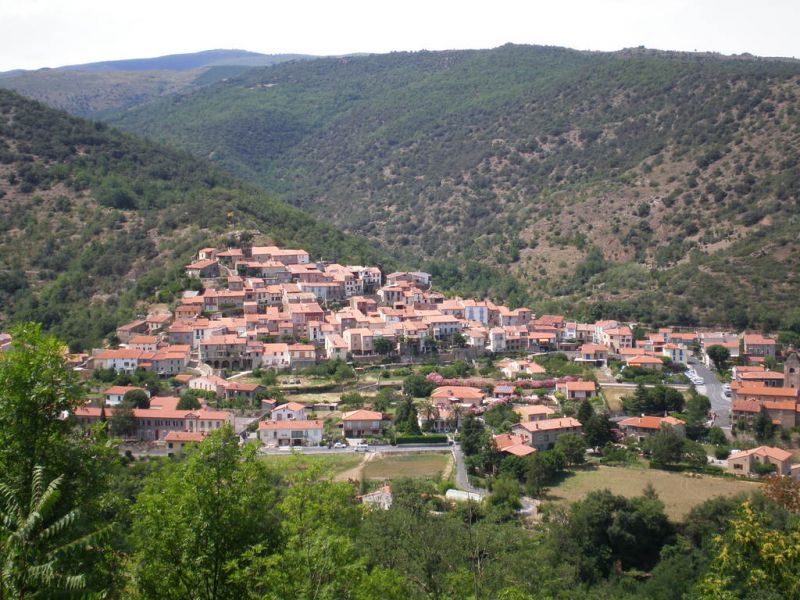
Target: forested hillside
{"type": "Point", "coordinates": [92, 221]}
{"type": "Point", "coordinates": [650, 185]}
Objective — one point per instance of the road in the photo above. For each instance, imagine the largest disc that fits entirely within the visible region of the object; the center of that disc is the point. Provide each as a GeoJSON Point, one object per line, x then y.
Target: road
{"type": "Point", "coordinates": [403, 448]}
{"type": "Point", "coordinates": [462, 479]}
{"type": "Point", "coordinates": [720, 404]}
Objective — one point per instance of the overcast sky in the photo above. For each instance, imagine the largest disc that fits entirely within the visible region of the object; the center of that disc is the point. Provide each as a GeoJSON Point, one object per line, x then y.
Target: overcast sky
{"type": "Point", "coordinates": [49, 33]}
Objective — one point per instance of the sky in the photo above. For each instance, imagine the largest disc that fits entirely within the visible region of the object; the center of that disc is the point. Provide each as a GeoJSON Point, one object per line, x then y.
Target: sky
{"type": "Point", "coordinates": [50, 33]}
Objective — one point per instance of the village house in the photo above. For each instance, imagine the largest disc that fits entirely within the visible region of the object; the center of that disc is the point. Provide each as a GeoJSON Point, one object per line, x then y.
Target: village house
{"type": "Point", "coordinates": [645, 361]}
{"type": "Point", "coordinates": [596, 354]}
{"type": "Point", "coordinates": [543, 434]}
{"type": "Point", "coordinates": [677, 354]}
{"type": "Point", "coordinates": [361, 423]}
{"type": "Point", "coordinates": [577, 390]}
{"type": "Point", "coordinates": [643, 427]}
{"type": "Point", "coordinates": [127, 331]}
{"type": "Point", "coordinates": [290, 411]}
{"type": "Point", "coordinates": [513, 444]}
{"type": "Point", "coordinates": [457, 394]}
{"type": "Point", "coordinates": [203, 269]}
{"type": "Point", "coordinates": [177, 441]}
{"type": "Point", "coordinates": [757, 345]}
{"type": "Point", "coordinates": [291, 432]}
{"type": "Point", "coordinates": [744, 463]}
{"type": "Point", "coordinates": [533, 412]}
{"type": "Point", "coordinates": [115, 394]}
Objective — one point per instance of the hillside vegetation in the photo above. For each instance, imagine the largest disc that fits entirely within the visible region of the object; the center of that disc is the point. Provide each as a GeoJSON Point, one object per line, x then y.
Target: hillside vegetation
{"type": "Point", "coordinates": [639, 184]}
{"type": "Point", "coordinates": [93, 221]}
{"type": "Point", "coordinates": [92, 89]}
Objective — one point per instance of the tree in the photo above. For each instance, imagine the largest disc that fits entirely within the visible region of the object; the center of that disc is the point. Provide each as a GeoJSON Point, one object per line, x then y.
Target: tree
{"type": "Point", "coordinates": [598, 431]}
{"type": "Point", "coordinates": [473, 435]}
{"type": "Point", "coordinates": [603, 531]}
{"type": "Point", "coordinates": [123, 421]}
{"type": "Point", "coordinates": [195, 517]}
{"type": "Point", "coordinates": [136, 399]}
{"type": "Point", "coordinates": [585, 411]}
{"type": "Point", "coordinates": [717, 437]}
{"type": "Point", "coordinates": [505, 497]}
{"type": "Point", "coordinates": [382, 346]}
{"type": "Point", "coordinates": [501, 417]}
{"type": "Point", "coordinates": [417, 386]}
{"type": "Point", "coordinates": [573, 447]}
{"type": "Point", "coordinates": [753, 561]}
{"type": "Point", "coordinates": [188, 401]}
{"type": "Point", "coordinates": [405, 419]}
{"type": "Point", "coordinates": [665, 446]}
{"type": "Point", "coordinates": [694, 453]}
{"type": "Point", "coordinates": [352, 400]}
{"type": "Point", "coordinates": [36, 390]}
{"type": "Point", "coordinates": [37, 543]}
{"type": "Point", "coordinates": [785, 491]}
{"type": "Point", "coordinates": [763, 428]}
{"type": "Point", "coordinates": [720, 355]}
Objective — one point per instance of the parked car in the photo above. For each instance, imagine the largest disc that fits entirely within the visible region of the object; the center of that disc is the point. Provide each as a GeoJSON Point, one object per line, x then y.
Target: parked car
{"type": "Point", "coordinates": [362, 447]}
{"type": "Point", "coordinates": [338, 445]}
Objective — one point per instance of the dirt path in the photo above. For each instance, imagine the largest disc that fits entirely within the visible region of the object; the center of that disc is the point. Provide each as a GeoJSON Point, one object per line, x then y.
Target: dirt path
{"type": "Point", "coordinates": [357, 472]}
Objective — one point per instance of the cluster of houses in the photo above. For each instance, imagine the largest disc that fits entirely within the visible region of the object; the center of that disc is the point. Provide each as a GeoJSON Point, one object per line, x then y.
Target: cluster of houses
{"type": "Point", "coordinates": [756, 390]}
{"type": "Point", "coordinates": [289, 425]}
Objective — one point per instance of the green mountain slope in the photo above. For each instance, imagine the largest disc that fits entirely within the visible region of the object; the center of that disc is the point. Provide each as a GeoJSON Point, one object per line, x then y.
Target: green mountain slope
{"type": "Point", "coordinates": [94, 221]}
{"type": "Point", "coordinates": [90, 90]}
{"type": "Point", "coordinates": [611, 178]}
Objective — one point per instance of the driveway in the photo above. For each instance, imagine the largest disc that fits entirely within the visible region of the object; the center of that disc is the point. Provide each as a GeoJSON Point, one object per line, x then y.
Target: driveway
{"type": "Point", "coordinates": [462, 479]}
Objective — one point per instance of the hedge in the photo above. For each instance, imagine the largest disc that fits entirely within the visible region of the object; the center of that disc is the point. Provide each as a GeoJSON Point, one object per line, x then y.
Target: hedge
{"type": "Point", "coordinates": [422, 439]}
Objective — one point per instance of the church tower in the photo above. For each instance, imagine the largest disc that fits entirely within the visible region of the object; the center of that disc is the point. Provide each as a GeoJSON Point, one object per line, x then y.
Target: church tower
{"type": "Point", "coordinates": [791, 371]}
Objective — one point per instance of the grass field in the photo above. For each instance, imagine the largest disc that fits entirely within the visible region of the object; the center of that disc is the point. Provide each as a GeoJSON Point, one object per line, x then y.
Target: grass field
{"type": "Point", "coordinates": [679, 492]}
{"type": "Point", "coordinates": [331, 464]}
{"type": "Point", "coordinates": [613, 396]}
{"type": "Point", "coordinates": [313, 398]}
{"type": "Point", "coordinates": [426, 465]}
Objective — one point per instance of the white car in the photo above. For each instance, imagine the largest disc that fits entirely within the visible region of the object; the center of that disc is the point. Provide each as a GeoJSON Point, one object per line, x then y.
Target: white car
{"type": "Point", "coordinates": [338, 445]}
{"type": "Point", "coordinates": [362, 447]}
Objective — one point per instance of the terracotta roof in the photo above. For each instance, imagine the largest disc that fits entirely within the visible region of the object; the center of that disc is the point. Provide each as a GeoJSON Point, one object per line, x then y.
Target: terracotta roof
{"type": "Point", "coordinates": [756, 390]}
{"type": "Point", "coordinates": [650, 422]}
{"type": "Point", "coordinates": [746, 406]}
{"type": "Point", "coordinates": [362, 415]}
{"type": "Point", "coordinates": [185, 436]}
{"type": "Point", "coordinates": [293, 406]}
{"type": "Point", "coordinates": [580, 386]}
{"type": "Point", "coordinates": [457, 391]}
{"type": "Point", "coordinates": [533, 409]}
{"type": "Point", "coordinates": [766, 451]}
{"type": "Point", "coordinates": [549, 424]}
{"type": "Point", "coordinates": [309, 424]}
{"type": "Point", "coordinates": [121, 390]}
{"type": "Point", "coordinates": [519, 450]}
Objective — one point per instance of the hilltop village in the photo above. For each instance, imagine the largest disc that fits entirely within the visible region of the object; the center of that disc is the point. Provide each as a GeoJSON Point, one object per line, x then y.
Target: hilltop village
{"type": "Point", "coordinates": [261, 323]}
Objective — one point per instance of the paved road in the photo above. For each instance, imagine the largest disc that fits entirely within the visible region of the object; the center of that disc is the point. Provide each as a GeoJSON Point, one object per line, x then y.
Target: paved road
{"type": "Point", "coordinates": [462, 479]}
{"type": "Point", "coordinates": [384, 449]}
{"type": "Point", "coordinates": [720, 404]}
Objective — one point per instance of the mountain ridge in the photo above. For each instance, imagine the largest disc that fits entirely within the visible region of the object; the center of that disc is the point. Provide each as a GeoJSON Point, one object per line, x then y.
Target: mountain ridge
{"type": "Point", "coordinates": [596, 177]}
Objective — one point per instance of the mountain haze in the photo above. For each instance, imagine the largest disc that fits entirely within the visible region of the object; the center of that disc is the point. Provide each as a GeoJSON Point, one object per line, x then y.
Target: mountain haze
{"type": "Point", "coordinates": [653, 185]}
{"type": "Point", "coordinates": [90, 89]}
